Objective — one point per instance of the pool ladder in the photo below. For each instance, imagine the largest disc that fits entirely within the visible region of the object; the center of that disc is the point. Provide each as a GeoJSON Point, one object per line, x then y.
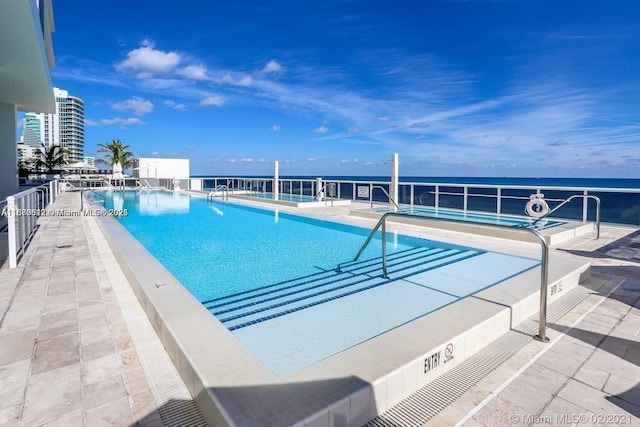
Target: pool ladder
{"type": "Point", "coordinates": [223, 189]}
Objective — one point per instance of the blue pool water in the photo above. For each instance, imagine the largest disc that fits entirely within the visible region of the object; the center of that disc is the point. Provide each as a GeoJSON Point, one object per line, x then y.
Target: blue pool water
{"type": "Point", "coordinates": [269, 277]}
{"type": "Point", "coordinates": [485, 218]}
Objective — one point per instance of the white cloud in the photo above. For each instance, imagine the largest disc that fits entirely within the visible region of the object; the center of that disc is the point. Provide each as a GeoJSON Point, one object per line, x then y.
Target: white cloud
{"type": "Point", "coordinates": [322, 129]}
{"type": "Point", "coordinates": [147, 61]}
{"type": "Point", "coordinates": [383, 119]}
{"type": "Point", "coordinates": [212, 100]}
{"type": "Point", "coordinates": [352, 131]}
{"type": "Point", "coordinates": [244, 81]}
{"type": "Point", "coordinates": [194, 72]}
{"type": "Point", "coordinates": [272, 67]}
{"type": "Point", "coordinates": [116, 121]}
{"type": "Point", "coordinates": [174, 105]}
{"type": "Point", "coordinates": [275, 128]}
{"type": "Point", "coordinates": [138, 105]}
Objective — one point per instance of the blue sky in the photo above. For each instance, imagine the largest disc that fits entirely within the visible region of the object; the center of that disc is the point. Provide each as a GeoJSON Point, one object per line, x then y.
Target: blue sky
{"type": "Point", "coordinates": [457, 88]}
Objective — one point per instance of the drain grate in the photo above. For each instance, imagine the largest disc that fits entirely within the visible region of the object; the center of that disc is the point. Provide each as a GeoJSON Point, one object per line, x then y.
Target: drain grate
{"type": "Point", "coordinates": [427, 402]}
{"type": "Point", "coordinates": [175, 404]}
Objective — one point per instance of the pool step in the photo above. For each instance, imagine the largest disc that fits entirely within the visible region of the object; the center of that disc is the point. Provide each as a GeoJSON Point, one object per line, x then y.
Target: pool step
{"type": "Point", "coordinates": [248, 308]}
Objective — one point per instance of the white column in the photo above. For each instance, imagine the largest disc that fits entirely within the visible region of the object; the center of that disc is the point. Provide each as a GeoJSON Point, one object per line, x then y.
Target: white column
{"type": "Point", "coordinates": [276, 179]}
{"type": "Point", "coordinates": [8, 151]}
{"type": "Point", "coordinates": [393, 187]}
{"type": "Point", "coordinates": [319, 190]}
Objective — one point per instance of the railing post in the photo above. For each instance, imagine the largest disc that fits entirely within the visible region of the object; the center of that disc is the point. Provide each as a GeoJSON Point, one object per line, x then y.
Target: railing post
{"type": "Point", "coordinates": [384, 249]}
{"type": "Point", "coordinates": [499, 200]}
{"type": "Point", "coordinates": [465, 190]}
{"type": "Point", "coordinates": [11, 223]}
{"type": "Point", "coordinates": [411, 197]}
{"type": "Point", "coordinates": [437, 194]}
{"type": "Point", "coordinates": [544, 279]}
{"type": "Point", "coordinates": [585, 203]}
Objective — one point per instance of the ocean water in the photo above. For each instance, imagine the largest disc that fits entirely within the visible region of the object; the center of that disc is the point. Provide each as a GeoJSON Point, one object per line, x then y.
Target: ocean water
{"type": "Point", "coordinates": [630, 183]}
{"type": "Point", "coordinates": [620, 197]}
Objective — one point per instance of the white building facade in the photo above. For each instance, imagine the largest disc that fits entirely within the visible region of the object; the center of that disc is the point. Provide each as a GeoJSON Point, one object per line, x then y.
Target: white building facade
{"type": "Point", "coordinates": [25, 81]}
{"type": "Point", "coordinates": [65, 128]}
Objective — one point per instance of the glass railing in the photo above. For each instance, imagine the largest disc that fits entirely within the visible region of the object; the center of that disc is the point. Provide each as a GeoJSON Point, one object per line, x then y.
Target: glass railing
{"type": "Point", "coordinates": [618, 205]}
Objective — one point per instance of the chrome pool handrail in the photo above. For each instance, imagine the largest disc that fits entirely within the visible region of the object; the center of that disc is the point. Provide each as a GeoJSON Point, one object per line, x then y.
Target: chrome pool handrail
{"type": "Point", "coordinates": [222, 188]}
{"type": "Point", "coordinates": [373, 187]}
{"type": "Point", "coordinates": [544, 257]}
{"type": "Point", "coordinates": [575, 196]}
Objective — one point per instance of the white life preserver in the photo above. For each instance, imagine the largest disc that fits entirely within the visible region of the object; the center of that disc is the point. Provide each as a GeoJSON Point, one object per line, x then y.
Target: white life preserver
{"type": "Point", "coordinates": [537, 207]}
{"type": "Point", "coordinates": [176, 181]}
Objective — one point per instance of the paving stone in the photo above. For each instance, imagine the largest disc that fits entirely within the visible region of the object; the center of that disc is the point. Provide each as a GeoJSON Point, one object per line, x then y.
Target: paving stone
{"type": "Point", "coordinates": [136, 381]}
{"type": "Point", "coordinates": [98, 369]}
{"type": "Point", "coordinates": [60, 286]}
{"type": "Point", "coordinates": [499, 412]}
{"type": "Point", "coordinates": [96, 334]}
{"type": "Point", "coordinates": [130, 360]}
{"type": "Point", "coordinates": [13, 377]}
{"type": "Point", "coordinates": [56, 352]}
{"type": "Point", "coordinates": [624, 388]}
{"type": "Point", "coordinates": [614, 365]}
{"type": "Point", "coordinates": [565, 357]}
{"type": "Point", "coordinates": [104, 391]}
{"type": "Point", "coordinates": [589, 398]}
{"type": "Point", "coordinates": [561, 412]}
{"type": "Point", "coordinates": [69, 419]}
{"type": "Point", "coordinates": [592, 376]}
{"type": "Point", "coordinates": [16, 346]}
{"type": "Point", "coordinates": [52, 394]}
{"type": "Point", "coordinates": [10, 415]}
{"type": "Point", "coordinates": [58, 303]}
{"type": "Point", "coordinates": [97, 349]}
{"type": "Point", "coordinates": [58, 323]}
{"type": "Point", "coordinates": [94, 322]}
{"type": "Point", "coordinates": [118, 413]}
{"type": "Point", "coordinates": [21, 319]}
{"type": "Point", "coordinates": [520, 393]}
{"type": "Point", "coordinates": [123, 343]}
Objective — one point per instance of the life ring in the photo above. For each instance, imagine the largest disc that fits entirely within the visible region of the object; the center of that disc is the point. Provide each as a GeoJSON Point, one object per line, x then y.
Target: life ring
{"type": "Point", "coordinates": [537, 207]}
{"type": "Point", "coordinates": [176, 181]}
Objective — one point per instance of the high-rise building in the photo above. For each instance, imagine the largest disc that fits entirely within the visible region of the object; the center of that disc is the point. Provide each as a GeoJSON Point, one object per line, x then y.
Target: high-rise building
{"type": "Point", "coordinates": [64, 128]}
{"type": "Point", "coordinates": [31, 134]}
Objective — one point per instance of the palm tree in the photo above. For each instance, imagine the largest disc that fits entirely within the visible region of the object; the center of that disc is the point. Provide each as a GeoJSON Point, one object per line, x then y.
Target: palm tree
{"type": "Point", "coordinates": [117, 152]}
{"type": "Point", "coordinates": [50, 158]}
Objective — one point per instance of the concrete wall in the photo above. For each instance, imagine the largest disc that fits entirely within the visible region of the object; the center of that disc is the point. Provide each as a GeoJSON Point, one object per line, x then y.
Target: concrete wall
{"type": "Point", "coordinates": [8, 151]}
{"type": "Point", "coordinates": [146, 167]}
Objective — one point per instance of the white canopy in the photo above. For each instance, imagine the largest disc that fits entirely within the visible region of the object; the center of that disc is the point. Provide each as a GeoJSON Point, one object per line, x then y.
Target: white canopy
{"type": "Point", "coordinates": [79, 166]}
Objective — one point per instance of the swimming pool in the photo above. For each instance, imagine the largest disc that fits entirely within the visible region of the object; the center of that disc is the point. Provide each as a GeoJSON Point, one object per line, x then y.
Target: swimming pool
{"type": "Point", "coordinates": [479, 217]}
{"type": "Point", "coordinates": [269, 277]}
{"type": "Point", "coordinates": [292, 200]}
{"type": "Point", "coordinates": [283, 196]}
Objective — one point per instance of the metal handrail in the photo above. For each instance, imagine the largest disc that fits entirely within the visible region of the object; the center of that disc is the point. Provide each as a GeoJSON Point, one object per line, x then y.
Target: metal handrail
{"type": "Point", "coordinates": [385, 192]}
{"type": "Point", "coordinates": [588, 196]}
{"type": "Point", "coordinates": [82, 190]}
{"type": "Point", "coordinates": [544, 258]}
{"type": "Point", "coordinates": [321, 190]}
{"type": "Point", "coordinates": [223, 188]}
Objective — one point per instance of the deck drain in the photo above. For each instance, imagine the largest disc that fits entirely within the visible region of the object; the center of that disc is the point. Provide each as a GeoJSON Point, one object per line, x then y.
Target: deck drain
{"type": "Point", "coordinates": [427, 402]}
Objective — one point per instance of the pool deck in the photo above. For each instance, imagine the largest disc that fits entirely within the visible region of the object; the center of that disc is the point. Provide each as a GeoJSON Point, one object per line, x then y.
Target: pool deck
{"type": "Point", "coordinates": [77, 349]}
